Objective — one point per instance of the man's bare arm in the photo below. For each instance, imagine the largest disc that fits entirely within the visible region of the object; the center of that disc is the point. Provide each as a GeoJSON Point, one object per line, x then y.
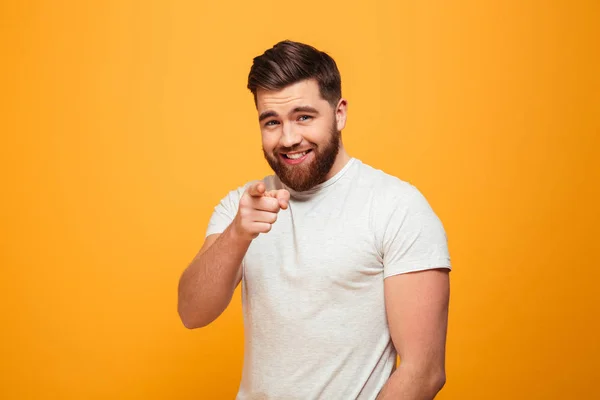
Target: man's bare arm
{"type": "Point", "coordinates": [417, 310]}
{"type": "Point", "coordinates": [208, 283]}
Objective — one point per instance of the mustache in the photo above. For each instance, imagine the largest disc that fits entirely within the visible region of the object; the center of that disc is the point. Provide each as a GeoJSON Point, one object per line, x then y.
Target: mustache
{"type": "Point", "coordinates": [283, 149]}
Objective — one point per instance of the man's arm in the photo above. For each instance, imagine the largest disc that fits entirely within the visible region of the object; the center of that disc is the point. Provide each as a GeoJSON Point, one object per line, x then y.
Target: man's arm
{"type": "Point", "coordinates": [417, 312]}
{"type": "Point", "coordinates": [208, 283]}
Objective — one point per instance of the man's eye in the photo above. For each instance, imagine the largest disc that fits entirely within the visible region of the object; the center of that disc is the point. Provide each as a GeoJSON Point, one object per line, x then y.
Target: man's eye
{"type": "Point", "coordinates": [305, 117]}
{"type": "Point", "coordinates": [271, 123]}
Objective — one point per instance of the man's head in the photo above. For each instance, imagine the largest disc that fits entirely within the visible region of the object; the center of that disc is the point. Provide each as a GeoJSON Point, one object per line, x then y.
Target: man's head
{"type": "Point", "coordinates": [297, 92]}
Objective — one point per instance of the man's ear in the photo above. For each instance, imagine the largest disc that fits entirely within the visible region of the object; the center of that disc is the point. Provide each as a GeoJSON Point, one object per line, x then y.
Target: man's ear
{"type": "Point", "coordinates": [341, 113]}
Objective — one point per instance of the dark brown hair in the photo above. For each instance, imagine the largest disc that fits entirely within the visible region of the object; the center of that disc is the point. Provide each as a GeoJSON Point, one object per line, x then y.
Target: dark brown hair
{"type": "Point", "coordinates": [289, 62]}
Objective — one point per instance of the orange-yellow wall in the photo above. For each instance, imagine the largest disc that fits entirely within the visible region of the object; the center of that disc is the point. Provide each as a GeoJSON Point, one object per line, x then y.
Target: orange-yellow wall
{"type": "Point", "coordinates": [123, 123]}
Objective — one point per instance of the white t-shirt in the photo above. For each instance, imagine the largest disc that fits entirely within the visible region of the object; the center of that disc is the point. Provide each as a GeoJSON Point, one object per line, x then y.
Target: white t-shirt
{"type": "Point", "coordinates": [312, 288]}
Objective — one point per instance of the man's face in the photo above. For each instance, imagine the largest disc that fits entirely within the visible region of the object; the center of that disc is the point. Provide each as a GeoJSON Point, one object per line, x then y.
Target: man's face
{"type": "Point", "coordinates": [300, 133]}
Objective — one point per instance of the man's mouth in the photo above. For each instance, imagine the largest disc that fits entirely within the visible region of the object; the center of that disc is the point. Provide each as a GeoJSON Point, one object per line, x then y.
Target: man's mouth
{"type": "Point", "coordinates": [296, 155]}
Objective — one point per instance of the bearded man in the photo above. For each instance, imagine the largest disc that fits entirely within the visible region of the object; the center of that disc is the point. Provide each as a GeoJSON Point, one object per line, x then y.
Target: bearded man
{"type": "Point", "coordinates": [342, 266]}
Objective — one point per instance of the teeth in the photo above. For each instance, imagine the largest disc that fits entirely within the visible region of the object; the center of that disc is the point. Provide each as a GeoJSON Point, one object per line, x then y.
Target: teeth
{"type": "Point", "coordinates": [296, 156]}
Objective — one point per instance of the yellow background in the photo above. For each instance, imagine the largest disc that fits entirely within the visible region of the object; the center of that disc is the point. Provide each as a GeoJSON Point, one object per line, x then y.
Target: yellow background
{"type": "Point", "coordinates": [124, 122]}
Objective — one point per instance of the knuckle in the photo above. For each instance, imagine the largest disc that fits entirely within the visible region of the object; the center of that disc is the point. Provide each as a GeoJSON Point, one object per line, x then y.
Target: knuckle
{"type": "Point", "coordinates": [274, 204]}
{"type": "Point", "coordinates": [245, 201]}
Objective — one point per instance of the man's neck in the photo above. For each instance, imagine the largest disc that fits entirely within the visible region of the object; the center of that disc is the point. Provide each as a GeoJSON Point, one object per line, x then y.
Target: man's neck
{"type": "Point", "coordinates": [340, 162]}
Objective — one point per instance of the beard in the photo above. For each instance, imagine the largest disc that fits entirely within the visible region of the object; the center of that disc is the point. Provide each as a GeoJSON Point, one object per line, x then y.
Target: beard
{"type": "Point", "coordinates": [305, 176]}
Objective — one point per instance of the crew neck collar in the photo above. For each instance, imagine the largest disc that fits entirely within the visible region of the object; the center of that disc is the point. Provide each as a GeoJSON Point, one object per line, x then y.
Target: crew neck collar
{"type": "Point", "coordinates": [321, 187]}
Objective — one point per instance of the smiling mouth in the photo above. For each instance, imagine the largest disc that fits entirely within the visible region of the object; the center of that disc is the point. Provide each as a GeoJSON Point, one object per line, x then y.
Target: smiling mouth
{"type": "Point", "coordinates": [296, 156]}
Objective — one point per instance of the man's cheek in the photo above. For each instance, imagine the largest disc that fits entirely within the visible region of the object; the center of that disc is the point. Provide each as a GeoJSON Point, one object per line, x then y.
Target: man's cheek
{"type": "Point", "coordinates": [269, 145]}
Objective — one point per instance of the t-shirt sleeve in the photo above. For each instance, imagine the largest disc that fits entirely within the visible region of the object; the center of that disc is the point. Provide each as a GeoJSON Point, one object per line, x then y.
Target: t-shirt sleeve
{"type": "Point", "coordinates": [414, 238]}
{"type": "Point", "coordinates": [224, 212]}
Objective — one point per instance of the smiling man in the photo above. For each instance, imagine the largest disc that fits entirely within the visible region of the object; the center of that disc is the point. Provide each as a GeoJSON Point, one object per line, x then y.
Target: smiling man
{"type": "Point", "coordinates": [342, 266]}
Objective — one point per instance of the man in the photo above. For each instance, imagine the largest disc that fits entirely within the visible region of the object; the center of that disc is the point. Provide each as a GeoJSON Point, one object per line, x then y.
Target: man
{"type": "Point", "coordinates": [342, 266]}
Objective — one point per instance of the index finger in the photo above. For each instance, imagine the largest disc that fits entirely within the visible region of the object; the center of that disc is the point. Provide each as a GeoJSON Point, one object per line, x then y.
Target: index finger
{"type": "Point", "coordinates": [256, 189]}
{"type": "Point", "coordinates": [282, 196]}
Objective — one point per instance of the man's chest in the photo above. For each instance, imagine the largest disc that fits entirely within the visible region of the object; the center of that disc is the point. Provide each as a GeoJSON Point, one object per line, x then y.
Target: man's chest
{"type": "Point", "coordinates": [315, 252]}
{"type": "Point", "coordinates": [318, 277]}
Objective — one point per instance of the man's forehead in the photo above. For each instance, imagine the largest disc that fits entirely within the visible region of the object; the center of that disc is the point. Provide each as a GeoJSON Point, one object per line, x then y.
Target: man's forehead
{"type": "Point", "coordinates": [305, 92]}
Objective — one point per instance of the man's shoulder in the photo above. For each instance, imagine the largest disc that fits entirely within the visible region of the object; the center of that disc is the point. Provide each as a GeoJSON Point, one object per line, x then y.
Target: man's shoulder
{"type": "Point", "coordinates": [385, 184]}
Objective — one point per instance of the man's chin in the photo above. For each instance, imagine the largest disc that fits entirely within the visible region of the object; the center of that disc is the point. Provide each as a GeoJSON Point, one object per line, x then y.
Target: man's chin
{"type": "Point", "coordinates": [297, 184]}
{"type": "Point", "coordinates": [300, 177]}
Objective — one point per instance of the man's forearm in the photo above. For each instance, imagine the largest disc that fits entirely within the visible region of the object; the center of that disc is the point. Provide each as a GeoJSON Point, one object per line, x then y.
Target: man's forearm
{"type": "Point", "coordinates": [412, 384]}
{"type": "Point", "coordinates": [207, 285]}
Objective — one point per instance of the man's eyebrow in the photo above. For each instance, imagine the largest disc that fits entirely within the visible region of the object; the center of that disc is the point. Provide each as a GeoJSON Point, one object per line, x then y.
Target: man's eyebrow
{"type": "Point", "coordinates": [266, 114]}
{"type": "Point", "coordinates": [269, 114]}
{"type": "Point", "coordinates": [307, 109]}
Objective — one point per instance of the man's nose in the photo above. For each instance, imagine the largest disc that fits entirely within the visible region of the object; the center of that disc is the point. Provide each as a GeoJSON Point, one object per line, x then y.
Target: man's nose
{"type": "Point", "coordinates": [289, 137]}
